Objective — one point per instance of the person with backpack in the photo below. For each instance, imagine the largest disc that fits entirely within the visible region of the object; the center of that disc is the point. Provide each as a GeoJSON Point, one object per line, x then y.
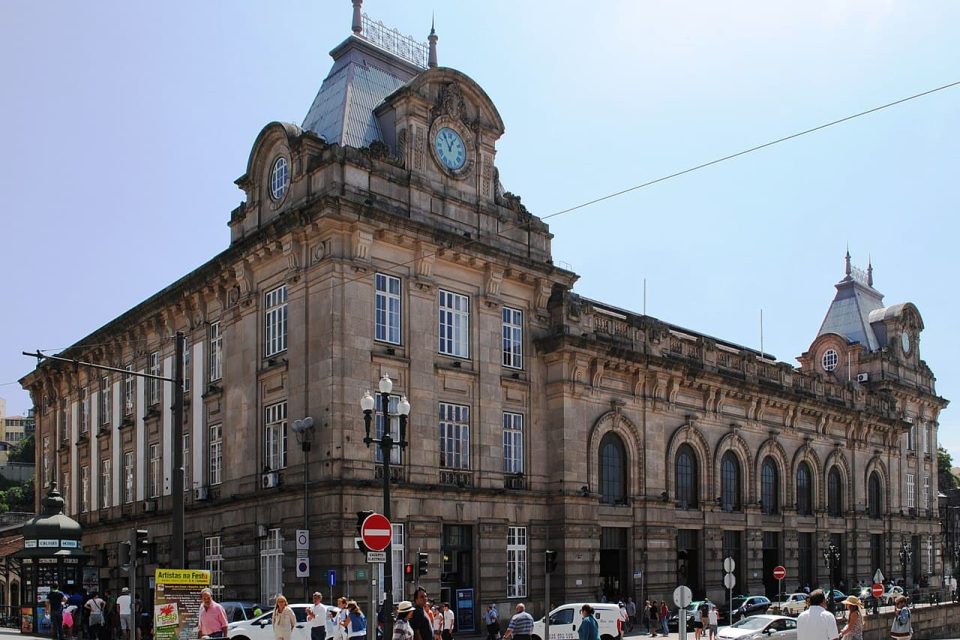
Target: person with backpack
{"type": "Point", "coordinates": [902, 627]}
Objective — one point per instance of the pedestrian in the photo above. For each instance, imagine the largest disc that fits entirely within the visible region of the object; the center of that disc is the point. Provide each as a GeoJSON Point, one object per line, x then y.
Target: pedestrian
{"type": "Point", "coordinates": [816, 623]}
{"type": "Point", "coordinates": [420, 619]}
{"type": "Point", "coordinates": [55, 601]}
{"type": "Point", "coordinates": [448, 622]}
{"type": "Point", "coordinates": [125, 610]}
{"type": "Point", "coordinates": [664, 618]}
{"type": "Point", "coordinates": [355, 622]}
{"type": "Point", "coordinates": [317, 616]}
{"type": "Point", "coordinates": [330, 624]}
{"type": "Point", "coordinates": [283, 619]}
{"type": "Point", "coordinates": [902, 627]}
{"type": "Point", "coordinates": [401, 626]}
{"type": "Point", "coordinates": [95, 619]}
{"type": "Point", "coordinates": [212, 619]}
{"type": "Point", "coordinates": [437, 619]}
{"type": "Point", "coordinates": [654, 614]}
{"type": "Point", "coordinates": [492, 619]}
{"type": "Point", "coordinates": [341, 616]}
{"type": "Point", "coordinates": [713, 620]}
{"type": "Point", "coordinates": [521, 625]}
{"type": "Point", "coordinates": [631, 613]}
{"type": "Point", "coordinates": [68, 621]}
{"type": "Point", "coordinates": [589, 628]}
{"type": "Point", "coordinates": [700, 619]}
{"type": "Point", "coordinates": [645, 616]}
{"type": "Point", "coordinates": [853, 630]}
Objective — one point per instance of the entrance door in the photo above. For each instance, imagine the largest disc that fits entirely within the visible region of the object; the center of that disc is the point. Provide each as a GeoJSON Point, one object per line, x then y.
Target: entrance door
{"type": "Point", "coordinates": [456, 569]}
{"type": "Point", "coordinates": [688, 561]}
{"type": "Point", "coordinates": [771, 558]}
{"type": "Point", "coordinates": [613, 563]}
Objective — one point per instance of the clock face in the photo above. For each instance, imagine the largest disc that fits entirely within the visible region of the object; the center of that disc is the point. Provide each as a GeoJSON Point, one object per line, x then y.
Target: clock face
{"type": "Point", "coordinates": [905, 342]}
{"type": "Point", "coordinates": [450, 149]}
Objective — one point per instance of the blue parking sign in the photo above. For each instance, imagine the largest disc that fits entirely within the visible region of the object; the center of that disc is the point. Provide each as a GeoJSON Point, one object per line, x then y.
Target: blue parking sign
{"type": "Point", "coordinates": [332, 577]}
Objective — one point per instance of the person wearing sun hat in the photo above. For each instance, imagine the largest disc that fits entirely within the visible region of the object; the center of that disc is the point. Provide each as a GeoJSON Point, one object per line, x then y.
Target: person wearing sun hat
{"type": "Point", "coordinates": [401, 627]}
{"type": "Point", "coordinates": [854, 627]}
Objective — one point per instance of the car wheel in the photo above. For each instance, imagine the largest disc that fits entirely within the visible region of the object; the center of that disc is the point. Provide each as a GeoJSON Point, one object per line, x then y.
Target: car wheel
{"type": "Point", "coordinates": [607, 637]}
{"type": "Point", "coordinates": [535, 638]}
{"type": "Point", "coordinates": [239, 638]}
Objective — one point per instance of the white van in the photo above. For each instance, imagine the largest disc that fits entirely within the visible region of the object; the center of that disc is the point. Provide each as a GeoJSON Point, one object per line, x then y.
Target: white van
{"type": "Point", "coordinates": [565, 621]}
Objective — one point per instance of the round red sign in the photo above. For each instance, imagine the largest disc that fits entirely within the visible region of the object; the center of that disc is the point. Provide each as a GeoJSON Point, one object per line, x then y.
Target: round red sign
{"type": "Point", "coordinates": [375, 532]}
{"type": "Point", "coordinates": [877, 590]}
{"type": "Point", "coordinates": [779, 573]}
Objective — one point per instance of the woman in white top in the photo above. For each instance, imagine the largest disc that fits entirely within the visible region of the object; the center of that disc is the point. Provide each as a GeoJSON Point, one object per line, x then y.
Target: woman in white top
{"type": "Point", "coordinates": [283, 620]}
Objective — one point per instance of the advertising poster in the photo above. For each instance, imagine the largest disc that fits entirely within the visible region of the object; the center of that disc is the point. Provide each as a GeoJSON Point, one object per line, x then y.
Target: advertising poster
{"type": "Point", "coordinates": [177, 602]}
{"type": "Point", "coordinates": [26, 619]}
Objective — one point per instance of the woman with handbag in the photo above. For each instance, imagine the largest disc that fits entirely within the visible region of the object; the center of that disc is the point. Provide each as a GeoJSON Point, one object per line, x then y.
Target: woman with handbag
{"type": "Point", "coordinates": [283, 619]}
{"type": "Point", "coordinates": [97, 622]}
{"type": "Point", "coordinates": [902, 627]}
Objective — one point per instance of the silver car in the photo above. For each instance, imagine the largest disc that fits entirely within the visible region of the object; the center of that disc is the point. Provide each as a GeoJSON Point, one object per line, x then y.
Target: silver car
{"type": "Point", "coordinates": [760, 626]}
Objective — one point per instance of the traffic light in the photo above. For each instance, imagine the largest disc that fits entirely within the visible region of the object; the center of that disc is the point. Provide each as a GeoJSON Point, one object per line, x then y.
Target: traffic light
{"type": "Point", "coordinates": [141, 545]}
{"type": "Point", "coordinates": [361, 516]}
{"type": "Point", "coordinates": [550, 560]}
{"type": "Point", "coordinates": [423, 562]}
{"type": "Point", "coordinates": [124, 553]}
{"type": "Point", "coordinates": [408, 572]}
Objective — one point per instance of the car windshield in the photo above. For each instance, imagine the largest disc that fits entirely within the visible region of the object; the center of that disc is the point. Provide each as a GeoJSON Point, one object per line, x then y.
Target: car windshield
{"type": "Point", "coordinates": [754, 622]}
{"type": "Point", "coordinates": [250, 613]}
{"type": "Point", "coordinates": [738, 602]}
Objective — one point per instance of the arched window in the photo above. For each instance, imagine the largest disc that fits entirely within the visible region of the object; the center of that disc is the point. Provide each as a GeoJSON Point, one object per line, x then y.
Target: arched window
{"type": "Point", "coordinates": [834, 493]}
{"type": "Point", "coordinates": [874, 498]}
{"type": "Point", "coordinates": [769, 486]}
{"type": "Point", "coordinates": [613, 470]}
{"type": "Point", "coordinates": [687, 477]}
{"type": "Point", "coordinates": [730, 482]}
{"type": "Point", "coordinates": [804, 490]}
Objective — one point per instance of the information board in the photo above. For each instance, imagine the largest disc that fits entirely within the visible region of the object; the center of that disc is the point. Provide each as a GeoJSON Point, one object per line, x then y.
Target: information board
{"type": "Point", "coordinates": [177, 602]}
{"type": "Point", "coordinates": [464, 603]}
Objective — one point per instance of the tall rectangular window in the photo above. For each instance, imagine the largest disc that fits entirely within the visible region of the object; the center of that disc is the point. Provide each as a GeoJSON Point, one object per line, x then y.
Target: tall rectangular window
{"type": "Point", "coordinates": [62, 423]}
{"type": "Point", "coordinates": [216, 352]}
{"type": "Point", "coordinates": [397, 555]}
{"type": "Point", "coordinates": [105, 483]}
{"type": "Point", "coordinates": [128, 477]}
{"type": "Point", "coordinates": [47, 461]}
{"type": "Point", "coordinates": [275, 321]}
{"type": "Point", "coordinates": [84, 489]}
{"type": "Point", "coordinates": [153, 385]}
{"type": "Point", "coordinates": [394, 429]}
{"type": "Point", "coordinates": [186, 364]}
{"type": "Point", "coordinates": [911, 492]}
{"type": "Point", "coordinates": [387, 308]}
{"type": "Point", "coordinates": [454, 324]}
{"type": "Point", "coordinates": [516, 562]}
{"type": "Point", "coordinates": [805, 558]}
{"type": "Point", "coordinates": [275, 436]}
{"type": "Point", "coordinates": [271, 567]}
{"type": "Point", "coordinates": [925, 495]}
{"type": "Point", "coordinates": [216, 454]}
{"type": "Point", "coordinates": [512, 338]}
{"type": "Point", "coordinates": [454, 436]}
{"type": "Point", "coordinates": [924, 439]}
{"type": "Point", "coordinates": [84, 411]}
{"type": "Point", "coordinates": [213, 562]}
{"type": "Point", "coordinates": [187, 478]}
{"type": "Point", "coordinates": [106, 400]}
{"type": "Point", "coordinates": [512, 442]}
{"type": "Point", "coordinates": [155, 470]}
{"type": "Point", "coordinates": [129, 386]}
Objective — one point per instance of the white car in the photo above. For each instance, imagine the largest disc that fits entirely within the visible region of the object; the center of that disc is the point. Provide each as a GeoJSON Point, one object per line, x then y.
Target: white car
{"type": "Point", "coordinates": [565, 622]}
{"type": "Point", "coordinates": [792, 605]}
{"type": "Point", "coordinates": [760, 626]}
{"type": "Point", "coordinates": [892, 594]}
{"type": "Point", "coordinates": [261, 627]}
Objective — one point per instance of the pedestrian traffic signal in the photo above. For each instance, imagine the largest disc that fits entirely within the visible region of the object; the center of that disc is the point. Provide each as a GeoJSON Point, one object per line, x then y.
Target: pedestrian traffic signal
{"type": "Point", "coordinates": [141, 545]}
{"type": "Point", "coordinates": [408, 572]}
{"type": "Point", "coordinates": [550, 560]}
{"type": "Point", "coordinates": [423, 562]}
{"type": "Point", "coordinates": [124, 552]}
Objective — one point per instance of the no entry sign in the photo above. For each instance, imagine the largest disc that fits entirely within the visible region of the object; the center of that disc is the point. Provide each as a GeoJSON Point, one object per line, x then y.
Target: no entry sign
{"type": "Point", "coordinates": [376, 532]}
{"type": "Point", "coordinates": [779, 573]}
{"type": "Point", "coordinates": [877, 590]}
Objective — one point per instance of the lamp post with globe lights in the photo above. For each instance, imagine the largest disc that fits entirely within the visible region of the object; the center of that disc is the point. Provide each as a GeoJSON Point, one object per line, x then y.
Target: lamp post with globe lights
{"type": "Point", "coordinates": [906, 557]}
{"type": "Point", "coordinates": [386, 443]}
{"type": "Point", "coordinates": [304, 432]}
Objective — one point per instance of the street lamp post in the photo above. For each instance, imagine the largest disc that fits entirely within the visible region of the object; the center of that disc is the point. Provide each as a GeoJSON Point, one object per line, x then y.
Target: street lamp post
{"type": "Point", "coordinates": [906, 556]}
{"type": "Point", "coordinates": [386, 444]}
{"type": "Point", "coordinates": [304, 431]}
{"type": "Point", "coordinates": [831, 557]}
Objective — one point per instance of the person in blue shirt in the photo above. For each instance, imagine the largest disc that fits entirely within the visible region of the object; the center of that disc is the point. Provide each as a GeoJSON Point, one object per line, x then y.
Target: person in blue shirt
{"type": "Point", "coordinates": [589, 629]}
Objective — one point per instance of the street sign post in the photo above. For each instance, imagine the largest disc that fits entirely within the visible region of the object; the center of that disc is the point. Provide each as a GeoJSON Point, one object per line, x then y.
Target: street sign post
{"type": "Point", "coordinates": [877, 590]}
{"type": "Point", "coordinates": [303, 539]}
{"type": "Point", "coordinates": [779, 573]}
{"type": "Point", "coordinates": [375, 532]}
{"type": "Point", "coordinates": [682, 596]}
{"type": "Point", "coordinates": [729, 581]}
{"type": "Point", "coordinates": [374, 557]}
{"type": "Point", "coordinates": [303, 567]}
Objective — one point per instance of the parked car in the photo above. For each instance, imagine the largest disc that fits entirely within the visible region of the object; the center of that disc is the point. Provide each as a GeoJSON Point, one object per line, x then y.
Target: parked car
{"type": "Point", "coordinates": [744, 606]}
{"type": "Point", "coordinates": [565, 621]}
{"type": "Point", "coordinates": [261, 627]}
{"type": "Point", "coordinates": [673, 622]}
{"type": "Point", "coordinates": [760, 627]}
{"type": "Point", "coordinates": [892, 594]}
{"type": "Point", "coordinates": [240, 610]}
{"type": "Point", "coordinates": [838, 596]}
{"type": "Point", "coordinates": [793, 604]}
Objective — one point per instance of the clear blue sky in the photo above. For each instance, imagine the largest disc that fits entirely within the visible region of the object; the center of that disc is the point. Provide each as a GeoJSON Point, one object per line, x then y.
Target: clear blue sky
{"type": "Point", "coordinates": [125, 124]}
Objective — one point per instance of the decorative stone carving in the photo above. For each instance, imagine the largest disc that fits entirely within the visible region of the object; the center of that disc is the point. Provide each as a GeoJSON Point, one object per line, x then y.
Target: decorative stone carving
{"type": "Point", "coordinates": [596, 372]}
{"type": "Point", "coordinates": [542, 293]}
{"type": "Point", "coordinates": [486, 175]}
{"type": "Point", "coordinates": [320, 251]}
{"type": "Point", "coordinates": [425, 257]}
{"type": "Point", "coordinates": [362, 241]}
{"type": "Point", "coordinates": [243, 277]}
{"type": "Point", "coordinates": [419, 142]}
{"type": "Point", "coordinates": [492, 279]}
{"type": "Point", "coordinates": [291, 251]}
{"type": "Point", "coordinates": [450, 102]}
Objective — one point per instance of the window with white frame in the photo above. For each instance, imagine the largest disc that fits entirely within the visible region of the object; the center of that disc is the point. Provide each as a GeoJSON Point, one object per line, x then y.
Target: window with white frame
{"type": "Point", "coordinates": [213, 562]}
{"type": "Point", "coordinates": [454, 436]}
{"type": "Point", "coordinates": [454, 324]}
{"type": "Point", "coordinates": [187, 479]}
{"type": "Point", "coordinates": [925, 496]}
{"type": "Point", "coordinates": [512, 442]}
{"type": "Point", "coordinates": [387, 308]}
{"type": "Point", "coordinates": [153, 491]}
{"type": "Point", "coordinates": [275, 321]}
{"type": "Point", "coordinates": [84, 411]}
{"type": "Point", "coordinates": [516, 562]}
{"type": "Point", "coordinates": [128, 477]}
{"type": "Point", "coordinates": [47, 462]}
{"type": "Point", "coordinates": [924, 441]}
{"type": "Point", "coordinates": [394, 428]}
{"type": "Point", "coordinates": [153, 385]}
{"type": "Point", "coordinates": [512, 329]}
{"type": "Point", "coordinates": [84, 489]}
{"type": "Point", "coordinates": [911, 492]}
{"type": "Point", "coordinates": [912, 438]}
{"type": "Point", "coordinates": [397, 557]}
{"type": "Point", "coordinates": [104, 483]}
{"type": "Point", "coordinates": [186, 365]}
{"type": "Point", "coordinates": [129, 386]}
{"type": "Point", "coordinates": [271, 567]}
{"type": "Point", "coordinates": [215, 463]}
{"type": "Point", "coordinates": [62, 422]}
{"type": "Point", "coordinates": [106, 400]}
{"type": "Point", "coordinates": [275, 436]}
{"type": "Point", "coordinates": [216, 352]}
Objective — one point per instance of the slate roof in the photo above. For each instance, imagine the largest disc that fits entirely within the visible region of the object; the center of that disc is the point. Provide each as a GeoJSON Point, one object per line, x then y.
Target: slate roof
{"type": "Point", "coordinates": [849, 313]}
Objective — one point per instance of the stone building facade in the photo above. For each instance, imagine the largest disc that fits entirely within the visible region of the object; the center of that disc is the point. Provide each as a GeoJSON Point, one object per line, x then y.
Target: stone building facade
{"type": "Point", "coordinates": [378, 240]}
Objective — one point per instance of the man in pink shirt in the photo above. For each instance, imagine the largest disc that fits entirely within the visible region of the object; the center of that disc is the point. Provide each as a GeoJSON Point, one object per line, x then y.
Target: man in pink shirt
{"type": "Point", "coordinates": [212, 619]}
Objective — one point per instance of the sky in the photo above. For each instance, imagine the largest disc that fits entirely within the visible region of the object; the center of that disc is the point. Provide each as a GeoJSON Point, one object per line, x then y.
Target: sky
{"type": "Point", "coordinates": [125, 124]}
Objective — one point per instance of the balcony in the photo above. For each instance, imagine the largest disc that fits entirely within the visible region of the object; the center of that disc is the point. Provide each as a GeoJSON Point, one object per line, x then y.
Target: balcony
{"type": "Point", "coordinates": [453, 478]}
{"type": "Point", "coordinates": [515, 481]}
{"type": "Point", "coordinates": [397, 473]}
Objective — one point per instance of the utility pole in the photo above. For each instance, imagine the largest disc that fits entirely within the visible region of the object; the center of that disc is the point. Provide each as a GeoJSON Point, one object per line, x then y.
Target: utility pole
{"type": "Point", "coordinates": [177, 559]}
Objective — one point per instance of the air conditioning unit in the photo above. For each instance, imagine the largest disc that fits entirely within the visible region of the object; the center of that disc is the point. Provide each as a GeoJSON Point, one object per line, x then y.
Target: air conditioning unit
{"type": "Point", "coordinates": [201, 493]}
{"type": "Point", "coordinates": [149, 506]}
{"type": "Point", "coordinates": [863, 377]}
{"type": "Point", "coordinates": [270, 480]}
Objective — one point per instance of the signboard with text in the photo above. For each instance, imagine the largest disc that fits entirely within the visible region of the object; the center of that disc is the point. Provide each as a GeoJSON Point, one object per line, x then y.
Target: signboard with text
{"type": "Point", "coordinates": [177, 602]}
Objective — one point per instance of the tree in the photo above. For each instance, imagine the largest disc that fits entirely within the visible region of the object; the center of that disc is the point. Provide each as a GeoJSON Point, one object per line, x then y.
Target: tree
{"type": "Point", "coordinates": [23, 451]}
{"type": "Point", "coordinates": [17, 498]}
{"type": "Point", "coordinates": [945, 478]}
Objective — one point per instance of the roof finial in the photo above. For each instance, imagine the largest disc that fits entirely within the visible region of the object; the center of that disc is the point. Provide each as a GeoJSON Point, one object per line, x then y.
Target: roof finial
{"type": "Point", "coordinates": [357, 26]}
{"type": "Point", "coordinates": [869, 270]}
{"type": "Point", "coordinates": [847, 268]}
{"type": "Point", "coordinates": [432, 39]}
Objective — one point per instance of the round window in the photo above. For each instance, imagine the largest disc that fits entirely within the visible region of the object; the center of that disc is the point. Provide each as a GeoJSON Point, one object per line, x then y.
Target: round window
{"type": "Point", "coordinates": [279, 178]}
{"type": "Point", "coordinates": [830, 360]}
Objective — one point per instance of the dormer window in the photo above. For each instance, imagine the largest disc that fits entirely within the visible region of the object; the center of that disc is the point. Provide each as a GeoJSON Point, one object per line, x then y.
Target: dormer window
{"type": "Point", "coordinates": [830, 360]}
{"type": "Point", "coordinates": [279, 179]}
